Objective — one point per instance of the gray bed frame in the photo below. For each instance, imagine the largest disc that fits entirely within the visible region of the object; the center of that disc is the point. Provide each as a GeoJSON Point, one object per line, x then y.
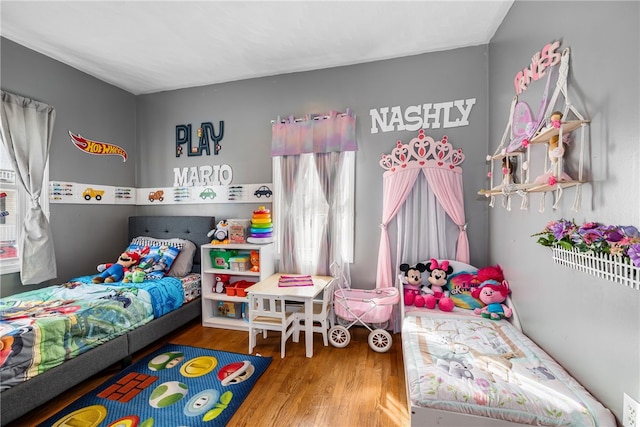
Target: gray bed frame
{"type": "Point", "coordinates": [24, 397]}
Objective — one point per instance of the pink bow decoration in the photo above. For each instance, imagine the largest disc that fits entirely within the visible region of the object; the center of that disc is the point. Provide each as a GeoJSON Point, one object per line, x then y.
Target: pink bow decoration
{"type": "Point", "coordinates": [434, 264]}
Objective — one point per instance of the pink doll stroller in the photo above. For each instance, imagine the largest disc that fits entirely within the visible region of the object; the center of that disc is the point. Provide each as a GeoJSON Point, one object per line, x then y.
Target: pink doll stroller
{"type": "Point", "coordinates": [369, 308]}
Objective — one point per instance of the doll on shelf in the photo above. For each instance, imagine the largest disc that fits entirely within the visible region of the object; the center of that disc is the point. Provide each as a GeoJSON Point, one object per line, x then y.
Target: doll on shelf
{"type": "Point", "coordinates": [508, 168]}
{"type": "Point", "coordinates": [556, 119]}
{"type": "Point", "coordinates": [554, 173]}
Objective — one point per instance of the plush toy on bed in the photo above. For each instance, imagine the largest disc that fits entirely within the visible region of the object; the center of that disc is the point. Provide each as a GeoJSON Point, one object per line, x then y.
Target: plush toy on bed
{"type": "Point", "coordinates": [437, 292]}
{"type": "Point", "coordinates": [135, 275]}
{"type": "Point", "coordinates": [493, 294]}
{"type": "Point", "coordinates": [411, 278]}
{"type": "Point", "coordinates": [115, 272]}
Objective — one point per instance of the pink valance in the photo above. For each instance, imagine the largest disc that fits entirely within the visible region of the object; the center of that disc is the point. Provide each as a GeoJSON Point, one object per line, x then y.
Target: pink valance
{"type": "Point", "coordinates": [332, 132]}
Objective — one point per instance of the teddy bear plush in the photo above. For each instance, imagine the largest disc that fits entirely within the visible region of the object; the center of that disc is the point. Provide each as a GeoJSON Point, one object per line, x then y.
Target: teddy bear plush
{"type": "Point", "coordinates": [437, 292]}
{"type": "Point", "coordinates": [411, 278]}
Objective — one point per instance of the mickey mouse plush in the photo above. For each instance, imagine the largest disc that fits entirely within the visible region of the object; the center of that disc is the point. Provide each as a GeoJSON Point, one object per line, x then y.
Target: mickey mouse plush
{"type": "Point", "coordinates": [411, 277]}
{"type": "Point", "coordinates": [438, 293]}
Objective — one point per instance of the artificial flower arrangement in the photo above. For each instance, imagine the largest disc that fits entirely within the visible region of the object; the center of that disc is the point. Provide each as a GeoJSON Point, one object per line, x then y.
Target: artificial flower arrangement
{"type": "Point", "coordinates": [618, 240]}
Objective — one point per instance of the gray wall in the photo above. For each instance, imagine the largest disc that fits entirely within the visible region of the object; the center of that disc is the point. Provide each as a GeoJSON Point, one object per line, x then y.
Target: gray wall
{"type": "Point", "coordinates": [248, 106]}
{"type": "Point", "coordinates": [145, 127]}
{"type": "Point", "coordinates": [590, 326]}
{"type": "Point", "coordinates": [84, 236]}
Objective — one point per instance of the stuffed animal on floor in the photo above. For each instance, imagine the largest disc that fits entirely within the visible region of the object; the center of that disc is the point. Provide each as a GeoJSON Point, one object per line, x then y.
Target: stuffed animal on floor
{"type": "Point", "coordinates": [493, 294]}
{"type": "Point", "coordinates": [411, 278]}
{"type": "Point", "coordinates": [110, 273]}
{"type": "Point", "coordinates": [437, 292]}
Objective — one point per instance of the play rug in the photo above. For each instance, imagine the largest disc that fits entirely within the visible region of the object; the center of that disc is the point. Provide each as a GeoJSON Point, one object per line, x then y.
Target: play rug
{"type": "Point", "coordinates": [175, 386]}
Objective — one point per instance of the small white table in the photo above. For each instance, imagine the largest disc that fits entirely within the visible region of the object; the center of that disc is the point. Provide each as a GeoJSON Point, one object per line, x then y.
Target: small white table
{"type": "Point", "coordinates": [306, 294]}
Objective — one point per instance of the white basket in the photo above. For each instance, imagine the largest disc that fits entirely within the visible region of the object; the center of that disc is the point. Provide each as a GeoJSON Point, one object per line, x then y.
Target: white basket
{"type": "Point", "coordinates": [605, 266]}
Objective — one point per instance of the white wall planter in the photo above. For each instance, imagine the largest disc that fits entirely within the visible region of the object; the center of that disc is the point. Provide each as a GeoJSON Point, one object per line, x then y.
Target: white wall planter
{"type": "Point", "coordinates": [606, 266]}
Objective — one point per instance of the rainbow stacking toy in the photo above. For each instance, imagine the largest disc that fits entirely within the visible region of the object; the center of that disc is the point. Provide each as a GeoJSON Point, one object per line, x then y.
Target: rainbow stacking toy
{"type": "Point", "coordinates": [261, 226]}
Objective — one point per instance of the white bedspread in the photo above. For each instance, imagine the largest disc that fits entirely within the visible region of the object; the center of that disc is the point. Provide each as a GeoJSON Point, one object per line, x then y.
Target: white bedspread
{"type": "Point", "coordinates": [478, 366]}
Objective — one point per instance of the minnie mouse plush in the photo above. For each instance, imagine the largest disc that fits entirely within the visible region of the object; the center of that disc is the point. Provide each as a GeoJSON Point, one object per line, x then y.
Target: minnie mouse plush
{"type": "Point", "coordinates": [411, 278]}
{"type": "Point", "coordinates": [438, 294]}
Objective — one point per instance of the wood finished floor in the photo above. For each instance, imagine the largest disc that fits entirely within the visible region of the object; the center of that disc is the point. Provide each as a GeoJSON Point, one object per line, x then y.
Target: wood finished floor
{"type": "Point", "coordinates": [352, 386]}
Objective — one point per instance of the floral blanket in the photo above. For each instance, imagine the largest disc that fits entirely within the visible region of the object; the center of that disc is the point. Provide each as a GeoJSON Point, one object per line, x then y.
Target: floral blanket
{"type": "Point", "coordinates": [40, 329]}
{"type": "Point", "coordinates": [484, 367]}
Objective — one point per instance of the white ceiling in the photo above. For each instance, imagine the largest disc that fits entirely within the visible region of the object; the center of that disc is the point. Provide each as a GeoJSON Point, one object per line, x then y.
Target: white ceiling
{"type": "Point", "coordinates": [152, 46]}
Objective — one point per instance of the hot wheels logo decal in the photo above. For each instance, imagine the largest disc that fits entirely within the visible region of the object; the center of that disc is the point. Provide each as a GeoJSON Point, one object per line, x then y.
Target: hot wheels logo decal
{"type": "Point", "coordinates": [97, 147]}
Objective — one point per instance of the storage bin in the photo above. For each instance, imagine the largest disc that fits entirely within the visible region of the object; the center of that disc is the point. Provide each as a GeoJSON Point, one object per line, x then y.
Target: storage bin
{"type": "Point", "coordinates": [238, 230]}
{"type": "Point", "coordinates": [230, 309]}
{"type": "Point", "coordinates": [240, 263]}
{"type": "Point", "coordinates": [220, 257]}
{"type": "Point", "coordinates": [238, 289]}
{"type": "Point", "coordinates": [241, 287]}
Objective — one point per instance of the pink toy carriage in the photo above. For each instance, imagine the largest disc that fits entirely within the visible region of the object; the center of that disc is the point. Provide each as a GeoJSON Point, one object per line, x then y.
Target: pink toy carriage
{"type": "Point", "coordinates": [369, 308]}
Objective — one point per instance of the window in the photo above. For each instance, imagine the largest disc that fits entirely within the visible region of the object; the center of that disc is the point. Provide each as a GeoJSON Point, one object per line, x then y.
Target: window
{"type": "Point", "coordinates": [13, 208]}
{"type": "Point", "coordinates": [307, 214]}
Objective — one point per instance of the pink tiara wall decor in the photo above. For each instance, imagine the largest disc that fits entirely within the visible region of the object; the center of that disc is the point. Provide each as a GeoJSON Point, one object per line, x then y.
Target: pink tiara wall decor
{"type": "Point", "coordinates": [423, 151]}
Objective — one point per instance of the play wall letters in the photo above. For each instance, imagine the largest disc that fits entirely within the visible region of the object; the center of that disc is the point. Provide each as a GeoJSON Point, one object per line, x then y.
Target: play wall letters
{"type": "Point", "coordinates": [206, 136]}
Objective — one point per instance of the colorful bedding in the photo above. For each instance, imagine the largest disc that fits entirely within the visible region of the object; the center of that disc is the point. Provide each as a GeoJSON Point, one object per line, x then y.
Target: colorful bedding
{"type": "Point", "coordinates": [40, 329]}
{"type": "Point", "coordinates": [166, 293]}
{"type": "Point", "coordinates": [472, 365]}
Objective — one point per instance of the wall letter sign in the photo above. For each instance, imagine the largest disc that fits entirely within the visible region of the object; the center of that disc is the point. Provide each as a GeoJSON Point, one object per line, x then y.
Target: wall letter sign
{"type": "Point", "coordinates": [540, 61]}
{"type": "Point", "coordinates": [206, 134]}
{"type": "Point", "coordinates": [422, 116]}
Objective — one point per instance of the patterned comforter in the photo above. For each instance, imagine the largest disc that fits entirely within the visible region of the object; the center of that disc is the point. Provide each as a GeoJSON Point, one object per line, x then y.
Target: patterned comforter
{"type": "Point", "coordinates": [40, 329]}
{"type": "Point", "coordinates": [484, 367]}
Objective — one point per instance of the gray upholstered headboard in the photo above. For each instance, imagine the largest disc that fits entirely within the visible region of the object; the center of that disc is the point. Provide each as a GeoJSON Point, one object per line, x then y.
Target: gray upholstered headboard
{"type": "Point", "coordinates": [194, 228]}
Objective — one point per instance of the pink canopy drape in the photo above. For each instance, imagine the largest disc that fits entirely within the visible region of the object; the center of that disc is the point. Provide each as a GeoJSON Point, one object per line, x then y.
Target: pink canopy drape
{"type": "Point", "coordinates": [449, 191]}
{"type": "Point", "coordinates": [439, 162]}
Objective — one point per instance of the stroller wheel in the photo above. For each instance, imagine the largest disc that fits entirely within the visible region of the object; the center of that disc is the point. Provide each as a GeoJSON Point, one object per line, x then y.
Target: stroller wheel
{"type": "Point", "coordinates": [380, 340]}
{"type": "Point", "coordinates": [342, 321]}
{"type": "Point", "coordinates": [382, 325]}
{"type": "Point", "coordinates": [339, 336]}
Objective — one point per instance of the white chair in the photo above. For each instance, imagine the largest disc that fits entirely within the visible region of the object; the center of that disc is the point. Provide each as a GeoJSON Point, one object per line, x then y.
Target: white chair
{"type": "Point", "coordinates": [322, 316]}
{"type": "Point", "coordinates": [269, 313]}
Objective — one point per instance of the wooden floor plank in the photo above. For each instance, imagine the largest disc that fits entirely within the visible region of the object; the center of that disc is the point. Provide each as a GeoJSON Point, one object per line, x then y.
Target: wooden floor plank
{"type": "Point", "coordinates": [351, 386]}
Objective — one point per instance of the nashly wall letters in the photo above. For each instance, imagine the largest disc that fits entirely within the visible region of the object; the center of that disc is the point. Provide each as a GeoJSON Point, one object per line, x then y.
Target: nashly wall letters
{"type": "Point", "coordinates": [422, 116]}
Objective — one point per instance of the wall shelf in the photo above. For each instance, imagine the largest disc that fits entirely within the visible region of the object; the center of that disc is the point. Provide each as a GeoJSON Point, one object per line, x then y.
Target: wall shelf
{"type": "Point", "coordinates": [604, 266]}
{"type": "Point", "coordinates": [513, 156]}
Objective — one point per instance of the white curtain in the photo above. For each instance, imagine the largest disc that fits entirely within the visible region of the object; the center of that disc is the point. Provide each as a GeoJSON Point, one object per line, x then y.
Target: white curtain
{"type": "Point", "coordinates": [313, 167]}
{"type": "Point", "coordinates": [26, 127]}
{"type": "Point", "coordinates": [427, 232]}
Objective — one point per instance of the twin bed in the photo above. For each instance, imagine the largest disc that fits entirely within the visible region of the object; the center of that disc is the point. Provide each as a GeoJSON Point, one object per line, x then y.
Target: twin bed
{"type": "Point", "coordinates": [52, 339]}
{"type": "Point", "coordinates": [465, 370]}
